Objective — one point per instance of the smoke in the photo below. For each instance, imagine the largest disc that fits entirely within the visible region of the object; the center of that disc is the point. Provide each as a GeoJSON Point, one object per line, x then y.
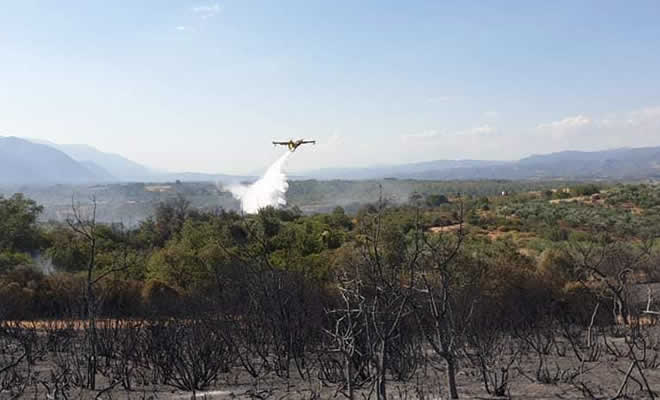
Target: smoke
{"type": "Point", "coordinates": [43, 263]}
{"type": "Point", "coordinates": [269, 190]}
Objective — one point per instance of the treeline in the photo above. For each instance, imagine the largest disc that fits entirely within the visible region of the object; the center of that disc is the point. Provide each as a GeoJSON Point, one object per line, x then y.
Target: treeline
{"type": "Point", "coordinates": [352, 303]}
{"type": "Point", "coordinates": [168, 261]}
{"type": "Point", "coordinates": [131, 203]}
{"type": "Point", "coordinates": [322, 196]}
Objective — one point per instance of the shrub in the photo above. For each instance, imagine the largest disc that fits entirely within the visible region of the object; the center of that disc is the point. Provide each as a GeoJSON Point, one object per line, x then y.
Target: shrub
{"type": "Point", "coordinates": [121, 298]}
{"type": "Point", "coordinates": [66, 293]}
{"type": "Point", "coordinates": [159, 297]}
{"type": "Point", "coordinates": [435, 200]}
{"type": "Point", "coordinates": [586, 189]}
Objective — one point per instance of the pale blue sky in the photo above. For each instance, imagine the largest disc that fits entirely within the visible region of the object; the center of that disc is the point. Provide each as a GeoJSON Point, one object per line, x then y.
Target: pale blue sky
{"type": "Point", "coordinates": [205, 86]}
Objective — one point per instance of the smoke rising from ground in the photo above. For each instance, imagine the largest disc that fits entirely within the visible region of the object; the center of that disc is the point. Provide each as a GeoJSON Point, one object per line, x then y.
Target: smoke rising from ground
{"type": "Point", "coordinates": [269, 190]}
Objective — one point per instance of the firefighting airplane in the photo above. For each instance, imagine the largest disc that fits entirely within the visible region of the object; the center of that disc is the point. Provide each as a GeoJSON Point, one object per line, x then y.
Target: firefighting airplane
{"type": "Point", "coordinates": [293, 145]}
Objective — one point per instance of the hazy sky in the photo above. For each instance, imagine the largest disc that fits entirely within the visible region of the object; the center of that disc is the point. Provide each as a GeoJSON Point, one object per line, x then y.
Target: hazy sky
{"type": "Point", "coordinates": [205, 86]}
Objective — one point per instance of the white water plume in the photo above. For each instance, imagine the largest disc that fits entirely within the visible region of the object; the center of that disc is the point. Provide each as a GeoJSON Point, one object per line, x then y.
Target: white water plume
{"type": "Point", "coordinates": [269, 190]}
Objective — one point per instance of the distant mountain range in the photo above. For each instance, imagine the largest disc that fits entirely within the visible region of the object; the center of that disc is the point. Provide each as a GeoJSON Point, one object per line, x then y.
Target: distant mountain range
{"type": "Point", "coordinates": [117, 167]}
{"type": "Point", "coordinates": [24, 162]}
{"type": "Point", "coordinates": [27, 161]}
{"type": "Point", "coordinates": [36, 162]}
{"type": "Point", "coordinates": [411, 170]}
{"type": "Point", "coordinates": [627, 163]}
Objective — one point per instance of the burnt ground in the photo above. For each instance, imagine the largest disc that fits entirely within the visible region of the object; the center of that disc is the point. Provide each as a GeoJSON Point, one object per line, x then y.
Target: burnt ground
{"type": "Point", "coordinates": [563, 376]}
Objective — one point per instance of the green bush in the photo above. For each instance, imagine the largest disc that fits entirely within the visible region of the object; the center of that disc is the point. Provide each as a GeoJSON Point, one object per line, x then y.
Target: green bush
{"type": "Point", "coordinates": [585, 189]}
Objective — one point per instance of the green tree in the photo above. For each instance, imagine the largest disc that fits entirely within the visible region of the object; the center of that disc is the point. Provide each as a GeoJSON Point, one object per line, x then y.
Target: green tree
{"type": "Point", "coordinates": [188, 262]}
{"type": "Point", "coordinates": [19, 234]}
{"type": "Point", "coordinates": [67, 250]}
{"type": "Point", "coordinates": [435, 200]}
{"type": "Point", "coordinates": [586, 190]}
{"type": "Point", "coordinates": [18, 224]}
{"type": "Point", "coordinates": [169, 219]}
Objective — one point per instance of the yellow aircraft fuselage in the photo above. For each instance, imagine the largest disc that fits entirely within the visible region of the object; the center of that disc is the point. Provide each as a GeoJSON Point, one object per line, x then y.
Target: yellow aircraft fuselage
{"type": "Point", "coordinates": [293, 145]}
